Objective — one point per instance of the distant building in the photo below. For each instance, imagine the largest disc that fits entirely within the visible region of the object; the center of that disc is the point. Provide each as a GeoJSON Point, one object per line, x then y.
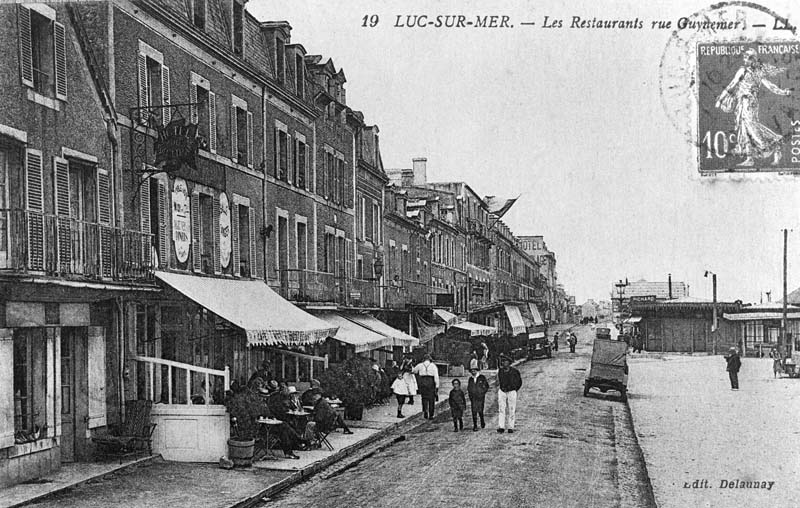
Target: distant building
{"type": "Point", "coordinates": [642, 290]}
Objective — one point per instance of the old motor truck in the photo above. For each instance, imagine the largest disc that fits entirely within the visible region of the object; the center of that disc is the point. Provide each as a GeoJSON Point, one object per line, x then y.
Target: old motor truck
{"type": "Point", "coordinates": [539, 345]}
{"type": "Point", "coordinates": [609, 370]}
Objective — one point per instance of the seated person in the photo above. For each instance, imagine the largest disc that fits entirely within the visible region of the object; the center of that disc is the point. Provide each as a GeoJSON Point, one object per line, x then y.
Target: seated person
{"type": "Point", "coordinates": [294, 399]}
{"type": "Point", "coordinates": [279, 405]}
{"type": "Point", "coordinates": [326, 419]}
{"type": "Point", "coordinates": [308, 396]}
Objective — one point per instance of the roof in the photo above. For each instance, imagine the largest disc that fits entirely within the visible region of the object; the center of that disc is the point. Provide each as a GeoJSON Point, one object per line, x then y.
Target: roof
{"type": "Point", "coordinates": [448, 317]}
{"type": "Point", "coordinates": [251, 305]}
{"type": "Point", "coordinates": [793, 297]}
{"type": "Point", "coordinates": [644, 288]}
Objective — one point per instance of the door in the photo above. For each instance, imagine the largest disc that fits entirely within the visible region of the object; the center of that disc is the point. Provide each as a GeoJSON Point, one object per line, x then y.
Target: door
{"type": "Point", "coordinates": [67, 395]}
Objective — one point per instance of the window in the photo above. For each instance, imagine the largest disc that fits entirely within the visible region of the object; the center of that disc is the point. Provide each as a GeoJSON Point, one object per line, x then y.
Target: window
{"type": "Point", "coordinates": [204, 111]}
{"type": "Point", "coordinates": [369, 231]}
{"type": "Point", "coordinates": [302, 246]}
{"type": "Point", "coordinates": [340, 185]}
{"type": "Point", "coordinates": [281, 152]}
{"type": "Point", "coordinates": [82, 211]}
{"type": "Point", "coordinates": [300, 76]}
{"type": "Point", "coordinates": [154, 85]}
{"type": "Point", "coordinates": [376, 222]}
{"type": "Point", "coordinates": [241, 132]}
{"type": "Point", "coordinates": [43, 51]}
{"type": "Point", "coordinates": [280, 61]}
{"type": "Point", "coordinates": [329, 252]}
{"type": "Point", "coordinates": [245, 246]}
{"type": "Point", "coordinates": [207, 229]}
{"type": "Point", "coordinates": [199, 13]}
{"type": "Point", "coordinates": [30, 380]}
{"type": "Point", "coordinates": [238, 23]}
{"type": "Point", "coordinates": [299, 162]}
{"type": "Point", "coordinates": [330, 187]}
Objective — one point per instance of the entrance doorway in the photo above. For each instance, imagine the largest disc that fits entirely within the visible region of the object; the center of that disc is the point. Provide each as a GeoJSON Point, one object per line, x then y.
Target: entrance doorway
{"type": "Point", "coordinates": [74, 408]}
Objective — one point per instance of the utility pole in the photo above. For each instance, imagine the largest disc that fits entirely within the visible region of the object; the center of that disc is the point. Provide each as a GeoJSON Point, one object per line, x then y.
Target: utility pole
{"type": "Point", "coordinates": [787, 344]}
{"type": "Point", "coordinates": [714, 323]}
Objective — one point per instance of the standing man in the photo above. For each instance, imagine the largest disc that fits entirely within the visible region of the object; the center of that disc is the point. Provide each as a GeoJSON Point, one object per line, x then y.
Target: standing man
{"type": "Point", "coordinates": [428, 374]}
{"type": "Point", "coordinates": [734, 364]}
{"type": "Point", "coordinates": [477, 386]}
{"type": "Point", "coordinates": [510, 383]}
{"type": "Point", "coordinates": [555, 342]}
{"type": "Point", "coordinates": [572, 341]}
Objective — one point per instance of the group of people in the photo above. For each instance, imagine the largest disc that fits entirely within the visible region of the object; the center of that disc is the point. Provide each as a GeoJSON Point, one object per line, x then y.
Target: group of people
{"type": "Point", "coordinates": [572, 340]}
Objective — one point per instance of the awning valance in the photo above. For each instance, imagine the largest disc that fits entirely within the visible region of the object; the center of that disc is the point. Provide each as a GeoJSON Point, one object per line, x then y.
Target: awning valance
{"type": "Point", "coordinates": [475, 329]}
{"type": "Point", "coordinates": [537, 317]}
{"type": "Point", "coordinates": [266, 318]}
{"type": "Point", "coordinates": [448, 317]}
{"type": "Point", "coordinates": [515, 318]}
{"type": "Point", "coordinates": [352, 333]}
{"type": "Point", "coordinates": [378, 326]}
{"type": "Point", "coordinates": [536, 335]}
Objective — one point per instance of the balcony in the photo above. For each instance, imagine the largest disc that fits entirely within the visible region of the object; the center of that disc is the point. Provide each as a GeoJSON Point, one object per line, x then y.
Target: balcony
{"type": "Point", "coordinates": [308, 286]}
{"type": "Point", "coordinates": [39, 243]}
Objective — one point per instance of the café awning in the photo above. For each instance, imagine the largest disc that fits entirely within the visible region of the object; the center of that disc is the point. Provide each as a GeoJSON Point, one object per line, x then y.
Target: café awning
{"type": "Point", "coordinates": [266, 318]}
{"type": "Point", "coordinates": [515, 318]}
{"type": "Point", "coordinates": [475, 329]}
{"type": "Point", "coordinates": [448, 317]}
{"type": "Point", "coordinates": [354, 334]}
{"type": "Point", "coordinates": [378, 326]}
{"type": "Point", "coordinates": [537, 318]}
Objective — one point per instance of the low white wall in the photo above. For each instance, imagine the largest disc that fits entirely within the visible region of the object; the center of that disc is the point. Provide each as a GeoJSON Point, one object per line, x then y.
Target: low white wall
{"type": "Point", "coordinates": [187, 433]}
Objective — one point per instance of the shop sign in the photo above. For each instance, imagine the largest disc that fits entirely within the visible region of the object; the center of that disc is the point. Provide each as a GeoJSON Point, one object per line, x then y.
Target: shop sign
{"type": "Point", "coordinates": [176, 144]}
{"type": "Point", "coordinates": [181, 224]}
{"type": "Point", "coordinates": [224, 230]}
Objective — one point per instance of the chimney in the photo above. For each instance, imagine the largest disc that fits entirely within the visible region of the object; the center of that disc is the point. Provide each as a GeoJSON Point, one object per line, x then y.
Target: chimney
{"type": "Point", "coordinates": [669, 285]}
{"type": "Point", "coordinates": [420, 171]}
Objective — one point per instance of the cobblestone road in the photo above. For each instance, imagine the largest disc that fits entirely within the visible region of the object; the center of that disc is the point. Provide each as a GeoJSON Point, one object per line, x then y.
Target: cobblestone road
{"type": "Point", "coordinates": [568, 451]}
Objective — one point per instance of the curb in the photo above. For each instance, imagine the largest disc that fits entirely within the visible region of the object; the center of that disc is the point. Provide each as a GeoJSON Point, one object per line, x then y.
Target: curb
{"type": "Point", "coordinates": [120, 468]}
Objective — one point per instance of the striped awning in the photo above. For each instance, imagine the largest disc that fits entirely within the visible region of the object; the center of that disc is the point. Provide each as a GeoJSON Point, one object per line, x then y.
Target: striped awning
{"type": "Point", "coordinates": [350, 332]}
{"type": "Point", "coordinates": [266, 318]}
{"type": "Point", "coordinates": [537, 317]}
{"type": "Point", "coordinates": [376, 325]}
{"type": "Point", "coordinates": [515, 318]}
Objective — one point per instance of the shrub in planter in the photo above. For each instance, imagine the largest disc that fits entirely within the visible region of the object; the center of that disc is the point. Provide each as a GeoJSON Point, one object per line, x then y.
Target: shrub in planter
{"type": "Point", "coordinates": [245, 408]}
{"type": "Point", "coordinates": [353, 382]}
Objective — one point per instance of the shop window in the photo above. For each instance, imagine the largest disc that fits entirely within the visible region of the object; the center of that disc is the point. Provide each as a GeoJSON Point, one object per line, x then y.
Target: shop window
{"type": "Point", "coordinates": [30, 383]}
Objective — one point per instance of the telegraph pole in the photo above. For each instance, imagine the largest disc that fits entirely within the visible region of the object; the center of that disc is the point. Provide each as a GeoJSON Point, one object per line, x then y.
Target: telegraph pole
{"type": "Point", "coordinates": [787, 344]}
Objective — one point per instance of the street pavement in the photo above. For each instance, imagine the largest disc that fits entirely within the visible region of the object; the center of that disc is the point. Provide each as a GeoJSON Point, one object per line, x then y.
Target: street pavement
{"type": "Point", "coordinates": [699, 437]}
{"type": "Point", "coordinates": [567, 451]}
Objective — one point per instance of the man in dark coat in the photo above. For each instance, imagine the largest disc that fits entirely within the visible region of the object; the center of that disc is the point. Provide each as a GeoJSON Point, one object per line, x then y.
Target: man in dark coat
{"type": "Point", "coordinates": [477, 386]}
{"type": "Point", "coordinates": [510, 382]}
{"type": "Point", "coordinates": [734, 364]}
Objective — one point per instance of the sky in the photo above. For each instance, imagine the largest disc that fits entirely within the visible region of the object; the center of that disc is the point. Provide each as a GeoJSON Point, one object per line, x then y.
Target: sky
{"type": "Point", "coordinates": [573, 120]}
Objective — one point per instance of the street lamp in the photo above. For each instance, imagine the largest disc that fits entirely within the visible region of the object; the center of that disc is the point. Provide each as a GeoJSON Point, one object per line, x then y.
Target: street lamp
{"type": "Point", "coordinates": [620, 291]}
{"type": "Point", "coordinates": [714, 317]}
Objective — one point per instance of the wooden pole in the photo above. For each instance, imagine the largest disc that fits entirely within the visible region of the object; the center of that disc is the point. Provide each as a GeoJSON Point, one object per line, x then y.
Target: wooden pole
{"type": "Point", "coordinates": [786, 343]}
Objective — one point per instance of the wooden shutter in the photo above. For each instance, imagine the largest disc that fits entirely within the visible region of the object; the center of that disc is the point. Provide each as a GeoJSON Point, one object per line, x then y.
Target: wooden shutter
{"type": "Point", "coordinates": [60, 53]}
{"type": "Point", "coordinates": [277, 142]}
{"type": "Point", "coordinates": [144, 88]}
{"type": "Point", "coordinates": [193, 100]}
{"type": "Point", "coordinates": [166, 95]}
{"type": "Point", "coordinates": [144, 222]}
{"type": "Point", "coordinates": [215, 228]}
{"type": "Point", "coordinates": [97, 376]}
{"type": "Point", "coordinates": [163, 224]}
{"type": "Point", "coordinates": [212, 122]}
{"type": "Point", "coordinates": [235, 238]}
{"type": "Point", "coordinates": [104, 216]}
{"type": "Point", "coordinates": [249, 139]}
{"type": "Point", "coordinates": [197, 263]}
{"type": "Point", "coordinates": [307, 178]}
{"type": "Point", "coordinates": [234, 136]}
{"type": "Point", "coordinates": [25, 46]}
{"type": "Point", "coordinates": [6, 387]}
{"type": "Point", "coordinates": [35, 205]}
{"type": "Point", "coordinates": [253, 244]}
{"type": "Point", "coordinates": [64, 236]}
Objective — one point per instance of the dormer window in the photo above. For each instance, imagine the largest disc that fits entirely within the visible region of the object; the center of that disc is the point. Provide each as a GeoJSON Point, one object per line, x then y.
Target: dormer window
{"type": "Point", "coordinates": [199, 13]}
{"type": "Point", "coordinates": [299, 68]}
{"type": "Point", "coordinates": [238, 28]}
{"type": "Point", "coordinates": [280, 61]}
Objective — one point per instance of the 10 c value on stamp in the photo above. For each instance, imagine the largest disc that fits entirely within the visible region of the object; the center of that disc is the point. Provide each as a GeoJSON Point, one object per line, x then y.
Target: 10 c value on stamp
{"type": "Point", "coordinates": [749, 106]}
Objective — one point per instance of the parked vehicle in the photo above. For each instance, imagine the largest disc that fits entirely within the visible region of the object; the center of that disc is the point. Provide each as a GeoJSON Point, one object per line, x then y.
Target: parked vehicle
{"type": "Point", "coordinates": [539, 347]}
{"type": "Point", "coordinates": [609, 370]}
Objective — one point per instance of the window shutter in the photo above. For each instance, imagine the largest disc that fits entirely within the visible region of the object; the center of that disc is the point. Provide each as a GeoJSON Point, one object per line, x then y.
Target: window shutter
{"type": "Point", "coordinates": [253, 245]}
{"type": "Point", "coordinates": [197, 263]}
{"type": "Point", "coordinates": [144, 222]}
{"type": "Point", "coordinates": [104, 215]}
{"type": "Point", "coordinates": [290, 155]}
{"type": "Point", "coordinates": [193, 101]}
{"type": "Point", "coordinates": [305, 167]}
{"type": "Point", "coordinates": [60, 52]}
{"type": "Point", "coordinates": [64, 237]}
{"type": "Point", "coordinates": [163, 224]}
{"type": "Point", "coordinates": [234, 136]}
{"type": "Point", "coordinates": [25, 46]}
{"type": "Point", "coordinates": [144, 89]}
{"type": "Point", "coordinates": [249, 139]}
{"type": "Point", "coordinates": [166, 95]}
{"type": "Point", "coordinates": [212, 122]}
{"type": "Point", "coordinates": [35, 204]}
{"type": "Point", "coordinates": [97, 376]}
{"type": "Point", "coordinates": [277, 152]}
{"type": "Point", "coordinates": [235, 238]}
{"type": "Point", "coordinates": [215, 228]}
{"type": "Point", "coordinates": [6, 387]}
{"type": "Point", "coordinates": [348, 185]}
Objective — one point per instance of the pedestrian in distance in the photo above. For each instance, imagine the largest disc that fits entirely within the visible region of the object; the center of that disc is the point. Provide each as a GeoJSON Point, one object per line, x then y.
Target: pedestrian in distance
{"type": "Point", "coordinates": [572, 341]}
{"type": "Point", "coordinates": [477, 386]}
{"type": "Point", "coordinates": [428, 383]}
{"type": "Point", "coordinates": [484, 357]}
{"type": "Point", "coordinates": [401, 390]}
{"type": "Point", "coordinates": [734, 364]}
{"type": "Point", "coordinates": [510, 383]}
{"type": "Point", "coordinates": [458, 403]}
{"type": "Point", "coordinates": [408, 376]}
{"type": "Point", "coordinates": [555, 342]}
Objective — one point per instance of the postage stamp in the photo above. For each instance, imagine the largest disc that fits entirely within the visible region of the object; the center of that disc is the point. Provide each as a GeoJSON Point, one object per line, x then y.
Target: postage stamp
{"type": "Point", "coordinates": [748, 97]}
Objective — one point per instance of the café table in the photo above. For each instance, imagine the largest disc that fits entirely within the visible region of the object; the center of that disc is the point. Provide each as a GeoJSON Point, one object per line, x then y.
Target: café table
{"type": "Point", "coordinates": [266, 436]}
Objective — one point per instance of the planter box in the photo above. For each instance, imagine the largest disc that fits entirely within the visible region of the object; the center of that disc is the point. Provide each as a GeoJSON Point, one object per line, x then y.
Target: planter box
{"type": "Point", "coordinates": [190, 433]}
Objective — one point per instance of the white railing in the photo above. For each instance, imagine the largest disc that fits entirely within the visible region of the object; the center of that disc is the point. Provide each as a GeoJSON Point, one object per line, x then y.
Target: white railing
{"type": "Point", "coordinates": [155, 378]}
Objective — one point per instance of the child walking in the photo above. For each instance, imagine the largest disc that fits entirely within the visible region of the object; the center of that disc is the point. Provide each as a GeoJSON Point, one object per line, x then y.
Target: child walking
{"type": "Point", "coordinates": [458, 403]}
{"type": "Point", "coordinates": [401, 390]}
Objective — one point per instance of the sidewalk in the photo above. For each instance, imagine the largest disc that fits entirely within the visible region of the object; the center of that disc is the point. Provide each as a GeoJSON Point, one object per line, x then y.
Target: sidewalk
{"type": "Point", "coordinates": [155, 482]}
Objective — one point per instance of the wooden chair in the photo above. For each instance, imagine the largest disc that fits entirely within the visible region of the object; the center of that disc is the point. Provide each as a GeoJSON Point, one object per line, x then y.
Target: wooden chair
{"type": "Point", "coordinates": [133, 434]}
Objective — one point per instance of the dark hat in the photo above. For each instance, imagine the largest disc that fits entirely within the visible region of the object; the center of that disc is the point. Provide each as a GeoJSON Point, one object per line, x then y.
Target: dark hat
{"type": "Point", "coordinates": [505, 358]}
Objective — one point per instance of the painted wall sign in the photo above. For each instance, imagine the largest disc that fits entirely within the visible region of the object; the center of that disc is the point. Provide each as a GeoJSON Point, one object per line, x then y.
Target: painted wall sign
{"type": "Point", "coordinates": [181, 224]}
{"type": "Point", "coordinates": [224, 230]}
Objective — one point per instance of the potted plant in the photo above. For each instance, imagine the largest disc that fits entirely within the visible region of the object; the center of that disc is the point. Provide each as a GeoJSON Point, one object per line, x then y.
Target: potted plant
{"type": "Point", "coordinates": [354, 383]}
{"type": "Point", "coordinates": [245, 408]}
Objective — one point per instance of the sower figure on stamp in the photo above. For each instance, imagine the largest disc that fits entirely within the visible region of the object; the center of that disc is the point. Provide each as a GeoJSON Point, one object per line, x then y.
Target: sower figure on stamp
{"type": "Point", "coordinates": [734, 364]}
{"type": "Point", "coordinates": [477, 386]}
{"type": "Point", "coordinates": [753, 139]}
{"type": "Point", "coordinates": [510, 383]}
